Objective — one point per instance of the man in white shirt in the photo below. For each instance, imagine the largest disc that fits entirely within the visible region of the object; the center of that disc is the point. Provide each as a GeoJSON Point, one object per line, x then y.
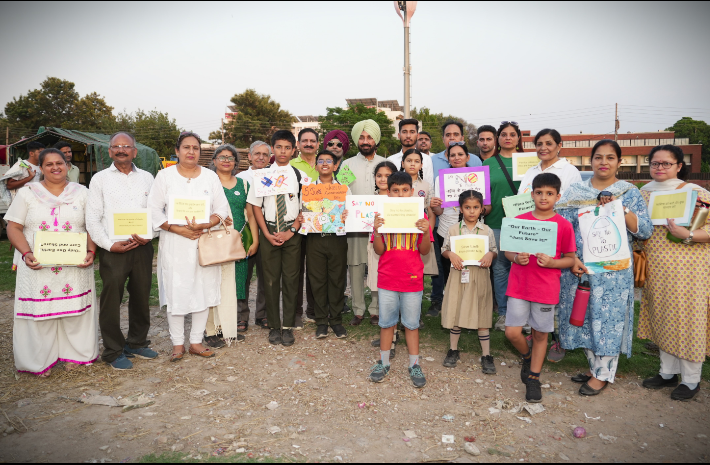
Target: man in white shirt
{"type": "Point", "coordinates": [259, 156]}
{"type": "Point", "coordinates": [424, 142]}
{"type": "Point", "coordinates": [31, 165]}
{"type": "Point", "coordinates": [122, 186]}
{"type": "Point", "coordinates": [408, 130]}
{"type": "Point", "coordinates": [73, 170]}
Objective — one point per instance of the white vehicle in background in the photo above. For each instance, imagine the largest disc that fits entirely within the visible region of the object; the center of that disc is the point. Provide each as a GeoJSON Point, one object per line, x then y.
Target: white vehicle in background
{"type": "Point", "coordinates": [3, 207]}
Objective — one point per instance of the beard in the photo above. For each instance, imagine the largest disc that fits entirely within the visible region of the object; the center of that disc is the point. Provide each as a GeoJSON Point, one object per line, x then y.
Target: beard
{"type": "Point", "coordinates": [367, 149]}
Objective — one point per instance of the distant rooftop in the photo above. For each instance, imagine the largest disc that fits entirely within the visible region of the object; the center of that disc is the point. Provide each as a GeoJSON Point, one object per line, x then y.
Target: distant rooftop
{"type": "Point", "coordinates": [374, 103]}
{"type": "Point", "coordinates": [307, 119]}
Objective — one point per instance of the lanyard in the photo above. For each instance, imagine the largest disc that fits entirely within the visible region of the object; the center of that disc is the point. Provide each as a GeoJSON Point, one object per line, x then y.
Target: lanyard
{"type": "Point", "coordinates": [461, 229]}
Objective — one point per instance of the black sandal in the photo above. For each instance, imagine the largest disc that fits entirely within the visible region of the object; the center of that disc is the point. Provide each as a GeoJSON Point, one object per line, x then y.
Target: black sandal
{"type": "Point", "coordinates": [587, 390]}
{"type": "Point", "coordinates": [581, 378]}
{"type": "Point", "coordinates": [263, 323]}
{"type": "Point", "coordinates": [242, 326]}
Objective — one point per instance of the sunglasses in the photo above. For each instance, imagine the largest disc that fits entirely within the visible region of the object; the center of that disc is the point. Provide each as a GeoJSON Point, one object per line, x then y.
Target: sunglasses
{"type": "Point", "coordinates": [335, 144]}
{"type": "Point", "coordinates": [514, 123]}
{"type": "Point", "coordinates": [452, 143]}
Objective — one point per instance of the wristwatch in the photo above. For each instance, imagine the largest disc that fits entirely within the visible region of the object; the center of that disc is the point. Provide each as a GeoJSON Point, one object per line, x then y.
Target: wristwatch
{"type": "Point", "coordinates": [689, 239]}
{"type": "Point", "coordinates": [293, 230]}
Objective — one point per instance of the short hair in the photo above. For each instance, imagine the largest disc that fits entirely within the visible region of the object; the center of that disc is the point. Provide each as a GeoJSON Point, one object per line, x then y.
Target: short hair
{"type": "Point", "coordinates": [609, 142]}
{"type": "Point", "coordinates": [61, 144]}
{"type": "Point", "coordinates": [399, 178]}
{"type": "Point", "coordinates": [449, 123]}
{"type": "Point", "coordinates": [259, 143]}
{"type": "Point", "coordinates": [34, 145]}
{"type": "Point", "coordinates": [43, 154]}
{"type": "Point", "coordinates": [677, 153]}
{"type": "Point", "coordinates": [327, 153]}
{"type": "Point", "coordinates": [283, 134]}
{"type": "Point", "coordinates": [409, 121]}
{"type": "Point", "coordinates": [306, 131]}
{"type": "Point", "coordinates": [548, 132]}
{"type": "Point", "coordinates": [425, 134]}
{"type": "Point", "coordinates": [134, 139]}
{"type": "Point", "coordinates": [486, 128]}
{"type": "Point", "coordinates": [547, 180]}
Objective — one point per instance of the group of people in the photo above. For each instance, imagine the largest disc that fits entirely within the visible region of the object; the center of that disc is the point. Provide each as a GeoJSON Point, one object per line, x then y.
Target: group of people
{"type": "Point", "coordinates": [55, 307]}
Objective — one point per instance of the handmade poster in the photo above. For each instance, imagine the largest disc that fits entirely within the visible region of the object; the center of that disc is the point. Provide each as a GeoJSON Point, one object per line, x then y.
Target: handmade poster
{"type": "Point", "coordinates": [400, 214]}
{"type": "Point", "coordinates": [678, 205]}
{"type": "Point", "coordinates": [181, 206]}
{"type": "Point", "coordinates": [603, 231]}
{"type": "Point", "coordinates": [529, 236]}
{"type": "Point", "coordinates": [59, 248]}
{"type": "Point", "coordinates": [453, 181]}
{"type": "Point", "coordinates": [345, 176]}
{"type": "Point", "coordinates": [522, 162]}
{"type": "Point", "coordinates": [361, 212]}
{"type": "Point", "coordinates": [323, 206]}
{"type": "Point", "coordinates": [517, 205]}
{"type": "Point", "coordinates": [123, 223]}
{"type": "Point", "coordinates": [275, 180]}
{"type": "Point", "coordinates": [471, 248]}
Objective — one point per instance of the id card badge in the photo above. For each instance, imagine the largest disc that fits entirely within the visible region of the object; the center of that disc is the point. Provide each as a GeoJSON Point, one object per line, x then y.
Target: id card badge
{"type": "Point", "coordinates": [465, 276]}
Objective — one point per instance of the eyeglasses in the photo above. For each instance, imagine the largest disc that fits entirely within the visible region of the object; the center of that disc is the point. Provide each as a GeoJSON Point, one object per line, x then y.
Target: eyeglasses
{"type": "Point", "coordinates": [335, 144]}
{"type": "Point", "coordinates": [656, 164]}
{"type": "Point", "coordinates": [327, 162]}
{"type": "Point", "coordinates": [452, 143]}
{"type": "Point", "coordinates": [223, 159]}
{"type": "Point", "coordinates": [119, 147]}
{"type": "Point", "coordinates": [514, 123]}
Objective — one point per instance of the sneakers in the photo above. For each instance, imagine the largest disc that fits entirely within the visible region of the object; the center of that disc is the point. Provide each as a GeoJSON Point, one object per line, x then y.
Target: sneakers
{"type": "Point", "coordinates": [434, 309]}
{"type": "Point", "coordinates": [287, 337]}
{"type": "Point", "coordinates": [525, 369]}
{"type": "Point", "coordinates": [684, 393]}
{"type": "Point", "coordinates": [500, 323]}
{"type": "Point", "coordinates": [488, 366]}
{"type": "Point", "coordinates": [241, 338]}
{"type": "Point", "coordinates": [308, 319]}
{"type": "Point", "coordinates": [322, 331]}
{"type": "Point", "coordinates": [142, 352]}
{"type": "Point", "coordinates": [121, 363]}
{"type": "Point", "coordinates": [527, 329]}
{"type": "Point", "coordinates": [298, 325]}
{"type": "Point", "coordinates": [417, 376]}
{"type": "Point", "coordinates": [533, 391]}
{"type": "Point", "coordinates": [215, 342]}
{"type": "Point", "coordinates": [556, 353]}
{"type": "Point", "coordinates": [346, 309]}
{"type": "Point", "coordinates": [340, 331]}
{"type": "Point", "coordinates": [275, 337]}
{"type": "Point", "coordinates": [452, 357]}
{"type": "Point", "coordinates": [657, 382]}
{"type": "Point", "coordinates": [378, 372]}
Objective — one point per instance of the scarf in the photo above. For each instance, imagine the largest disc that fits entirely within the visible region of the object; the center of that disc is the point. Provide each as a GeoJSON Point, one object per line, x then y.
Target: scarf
{"type": "Point", "coordinates": [669, 185]}
{"type": "Point", "coordinates": [582, 194]}
{"type": "Point", "coordinates": [49, 200]}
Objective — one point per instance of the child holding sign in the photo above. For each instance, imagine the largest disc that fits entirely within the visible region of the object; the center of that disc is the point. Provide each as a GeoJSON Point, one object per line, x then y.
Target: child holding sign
{"type": "Point", "coordinates": [468, 298]}
{"type": "Point", "coordinates": [534, 285]}
{"type": "Point", "coordinates": [400, 284]}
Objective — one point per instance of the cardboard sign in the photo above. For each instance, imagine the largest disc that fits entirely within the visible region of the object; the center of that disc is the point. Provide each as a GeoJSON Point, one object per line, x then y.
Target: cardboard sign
{"type": "Point", "coordinates": [400, 214]}
{"type": "Point", "coordinates": [453, 181]}
{"type": "Point", "coordinates": [361, 212]}
{"type": "Point", "coordinates": [275, 180]}
{"type": "Point", "coordinates": [470, 248]}
{"type": "Point", "coordinates": [528, 236]}
{"type": "Point", "coordinates": [518, 204]}
{"type": "Point", "coordinates": [345, 176]}
{"type": "Point", "coordinates": [179, 207]}
{"type": "Point", "coordinates": [522, 162]}
{"type": "Point", "coordinates": [603, 231]}
{"type": "Point", "coordinates": [122, 224]}
{"type": "Point", "coordinates": [323, 206]}
{"type": "Point", "coordinates": [60, 248]}
{"type": "Point", "coordinates": [678, 205]}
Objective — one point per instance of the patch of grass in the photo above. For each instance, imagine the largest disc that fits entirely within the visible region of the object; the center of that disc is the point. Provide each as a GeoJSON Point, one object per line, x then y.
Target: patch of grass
{"type": "Point", "coordinates": [7, 276]}
{"type": "Point", "coordinates": [179, 457]}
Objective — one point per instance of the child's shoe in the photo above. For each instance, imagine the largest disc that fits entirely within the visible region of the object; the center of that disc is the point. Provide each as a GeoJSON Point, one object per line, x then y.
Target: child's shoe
{"type": "Point", "coordinates": [378, 372]}
{"type": "Point", "coordinates": [556, 353]}
{"type": "Point", "coordinates": [417, 376]}
{"type": "Point", "coordinates": [533, 391]}
{"type": "Point", "coordinates": [487, 365]}
{"type": "Point", "coordinates": [452, 357]}
{"type": "Point", "coordinates": [525, 369]}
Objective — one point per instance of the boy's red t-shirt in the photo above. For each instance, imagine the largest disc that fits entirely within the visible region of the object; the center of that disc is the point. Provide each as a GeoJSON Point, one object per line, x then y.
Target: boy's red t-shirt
{"type": "Point", "coordinates": [401, 268]}
{"type": "Point", "coordinates": [534, 283]}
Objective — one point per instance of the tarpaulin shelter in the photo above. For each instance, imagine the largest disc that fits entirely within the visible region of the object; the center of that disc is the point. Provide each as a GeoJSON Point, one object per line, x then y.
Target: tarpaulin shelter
{"type": "Point", "coordinates": [89, 151]}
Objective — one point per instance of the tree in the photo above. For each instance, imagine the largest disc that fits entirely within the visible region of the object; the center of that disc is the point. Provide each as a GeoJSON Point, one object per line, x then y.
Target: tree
{"type": "Point", "coordinates": [152, 128]}
{"type": "Point", "coordinates": [432, 122]}
{"type": "Point", "coordinates": [345, 119]}
{"type": "Point", "coordinates": [257, 118]}
{"type": "Point", "coordinates": [698, 132]}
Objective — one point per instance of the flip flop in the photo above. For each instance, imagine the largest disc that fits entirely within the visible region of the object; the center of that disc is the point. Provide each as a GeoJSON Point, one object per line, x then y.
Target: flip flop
{"type": "Point", "coordinates": [242, 326]}
{"type": "Point", "coordinates": [207, 353]}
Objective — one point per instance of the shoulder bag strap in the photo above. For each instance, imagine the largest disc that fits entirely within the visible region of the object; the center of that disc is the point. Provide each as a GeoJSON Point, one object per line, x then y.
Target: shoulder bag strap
{"type": "Point", "coordinates": [681, 186]}
{"type": "Point", "coordinates": [507, 175]}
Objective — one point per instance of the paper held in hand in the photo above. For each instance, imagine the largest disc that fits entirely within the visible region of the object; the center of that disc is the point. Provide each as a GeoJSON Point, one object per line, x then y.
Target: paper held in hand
{"type": "Point", "coordinates": [181, 206]}
{"type": "Point", "coordinates": [323, 206]}
{"type": "Point", "coordinates": [677, 205]}
{"type": "Point", "coordinates": [603, 231]}
{"type": "Point", "coordinates": [518, 204]}
{"type": "Point", "coordinates": [470, 248]}
{"type": "Point", "coordinates": [528, 236]}
{"type": "Point", "coordinates": [453, 181]}
{"type": "Point", "coordinates": [275, 180]}
{"type": "Point", "coordinates": [124, 223]}
{"type": "Point", "coordinates": [59, 248]}
{"type": "Point", "coordinates": [522, 162]}
{"type": "Point", "coordinates": [400, 214]}
{"type": "Point", "coordinates": [361, 212]}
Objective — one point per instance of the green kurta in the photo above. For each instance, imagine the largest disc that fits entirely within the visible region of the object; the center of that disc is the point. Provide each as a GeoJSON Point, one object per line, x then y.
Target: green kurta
{"type": "Point", "coordinates": [237, 198]}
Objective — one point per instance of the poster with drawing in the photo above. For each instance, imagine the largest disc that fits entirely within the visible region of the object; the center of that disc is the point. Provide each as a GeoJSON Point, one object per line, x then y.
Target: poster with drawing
{"type": "Point", "coordinates": [603, 230]}
{"type": "Point", "coordinates": [275, 180]}
{"type": "Point", "coordinates": [453, 181]}
{"type": "Point", "coordinates": [361, 212]}
{"type": "Point", "coordinates": [323, 206]}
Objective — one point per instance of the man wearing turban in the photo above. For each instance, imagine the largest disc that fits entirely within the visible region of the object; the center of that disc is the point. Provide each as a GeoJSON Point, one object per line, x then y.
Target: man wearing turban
{"type": "Point", "coordinates": [336, 141]}
{"type": "Point", "coordinates": [366, 134]}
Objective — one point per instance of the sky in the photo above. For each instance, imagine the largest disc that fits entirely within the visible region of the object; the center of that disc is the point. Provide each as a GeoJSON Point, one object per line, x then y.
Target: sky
{"type": "Point", "coordinates": [560, 65]}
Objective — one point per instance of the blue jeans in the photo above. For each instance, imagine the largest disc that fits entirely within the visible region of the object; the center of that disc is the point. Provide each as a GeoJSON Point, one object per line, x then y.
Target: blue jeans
{"type": "Point", "coordinates": [438, 283]}
{"type": "Point", "coordinates": [395, 305]}
{"type": "Point", "coordinates": [501, 270]}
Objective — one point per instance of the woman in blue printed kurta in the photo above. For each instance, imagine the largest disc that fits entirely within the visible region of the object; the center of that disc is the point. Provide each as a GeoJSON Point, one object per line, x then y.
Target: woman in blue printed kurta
{"type": "Point", "coordinates": [608, 324]}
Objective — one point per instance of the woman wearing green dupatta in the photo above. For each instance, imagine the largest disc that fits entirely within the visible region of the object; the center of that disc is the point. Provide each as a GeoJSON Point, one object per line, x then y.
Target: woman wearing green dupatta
{"type": "Point", "coordinates": [608, 325]}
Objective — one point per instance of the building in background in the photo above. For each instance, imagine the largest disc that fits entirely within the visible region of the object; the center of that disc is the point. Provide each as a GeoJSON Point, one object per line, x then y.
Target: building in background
{"type": "Point", "coordinates": [303, 122]}
{"type": "Point", "coordinates": [391, 108]}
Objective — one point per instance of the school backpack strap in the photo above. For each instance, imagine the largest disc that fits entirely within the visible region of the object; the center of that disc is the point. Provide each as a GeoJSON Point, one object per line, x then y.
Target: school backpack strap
{"type": "Point", "coordinates": [298, 177]}
{"type": "Point", "coordinates": [507, 175]}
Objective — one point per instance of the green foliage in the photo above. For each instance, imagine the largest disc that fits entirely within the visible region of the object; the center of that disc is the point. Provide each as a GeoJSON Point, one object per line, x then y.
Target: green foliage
{"type": "Point", "coordinates": [257, 118]}
{"type": "Point", "coordinates": [152, 128]}
{"type": "Point", "coordinates": [698, 132]}
{"type": "Point", "coordinates": [432, 122]}
{"type": "Point", "coordinates": [345, 119]}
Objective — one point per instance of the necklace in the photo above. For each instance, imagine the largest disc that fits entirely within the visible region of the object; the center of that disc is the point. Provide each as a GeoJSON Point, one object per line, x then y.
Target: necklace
{"type": "Point", "coordinates": [193, 172]}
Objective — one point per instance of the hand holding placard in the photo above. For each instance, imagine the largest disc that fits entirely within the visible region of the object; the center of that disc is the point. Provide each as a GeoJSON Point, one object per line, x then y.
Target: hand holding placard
{"type": "Point", "coordinates": [470, 248]}
{"type": "Point", "coordinates": [401, 214]}
{"type": "Point", "coordinates": [522, 162]}
{"type": "Point", "coordinates": [528, 236]}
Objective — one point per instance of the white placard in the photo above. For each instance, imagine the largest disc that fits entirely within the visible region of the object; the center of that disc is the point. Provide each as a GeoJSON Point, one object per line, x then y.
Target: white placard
{"type": "Point", "coordinates": [522, 162]}
{"type": "Point", "coordinates": [456, 242]}
{"type": "Point", "coordinates": [120, 221]}
{"type": "Point", "coordinates": [385, 203]}
{"type": "Point", "coordinates": [664, 203]}
{"type": "Point", "coordinates": [603, 231]}
{"type": "Point", "coordinates": [275, 180]}
{"type": "Point", "coordinates": [197, 206]}
{"type": "Point", "coordinates": [361, 212]}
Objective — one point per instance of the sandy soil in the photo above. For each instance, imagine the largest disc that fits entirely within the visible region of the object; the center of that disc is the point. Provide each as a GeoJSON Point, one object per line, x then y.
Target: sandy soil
{"type": "Point", "coordinates": [328, 411]}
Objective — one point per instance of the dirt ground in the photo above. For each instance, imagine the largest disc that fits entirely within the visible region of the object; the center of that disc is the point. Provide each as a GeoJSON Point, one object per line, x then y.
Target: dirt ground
{"type": "Point", "coordinates": [327, 410]}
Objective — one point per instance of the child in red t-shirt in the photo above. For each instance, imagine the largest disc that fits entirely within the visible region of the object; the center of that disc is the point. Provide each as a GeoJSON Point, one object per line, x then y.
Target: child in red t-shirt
{"type": "Point", "coordinates": [400, 284]}
{"type": "Point", "coordinates": [534, 285]}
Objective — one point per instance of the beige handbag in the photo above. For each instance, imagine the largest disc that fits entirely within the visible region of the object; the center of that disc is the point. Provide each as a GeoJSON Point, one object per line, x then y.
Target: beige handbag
{"type": "Point", "coordinates": [221, 246]}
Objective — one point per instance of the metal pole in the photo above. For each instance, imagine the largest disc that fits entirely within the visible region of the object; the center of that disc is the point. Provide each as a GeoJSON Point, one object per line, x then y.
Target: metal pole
{"type": "Point", "coordinates": [406, 72]}
{"type": "Point", "coordinates": [616, 122]}
{"type": "Point", "coordinates": [222, 130]}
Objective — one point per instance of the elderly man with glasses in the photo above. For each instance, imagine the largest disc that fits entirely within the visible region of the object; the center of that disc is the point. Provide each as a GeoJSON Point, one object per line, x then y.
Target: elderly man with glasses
{"type": "Point", "coordinates": [259, 156]}
{"type": "Point", "coordinates": [122, 186]}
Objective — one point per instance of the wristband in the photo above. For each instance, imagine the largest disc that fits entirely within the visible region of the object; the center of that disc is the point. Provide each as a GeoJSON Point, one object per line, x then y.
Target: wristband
{"type": "Point", "coordinates": [23, 255]}
{"type": "Point", "coordinates": [515, 259]}
{"type": "Point", "coordinates": [91, 251]}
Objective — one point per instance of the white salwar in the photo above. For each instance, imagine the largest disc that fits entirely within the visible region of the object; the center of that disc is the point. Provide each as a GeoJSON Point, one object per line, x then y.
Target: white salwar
{"type": "Point", "coordinates": [185, 287]}
{"type": "Point", "coordinates": [55, 307]}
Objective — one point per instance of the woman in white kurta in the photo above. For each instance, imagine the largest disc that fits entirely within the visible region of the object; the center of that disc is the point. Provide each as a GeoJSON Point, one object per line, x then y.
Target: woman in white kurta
{"type": "Point", "coordinates": [186, 287]}
{"type": "Point", "coordinates": [55, 306]}
{"type": "Point", "coordinates": [548, 144]}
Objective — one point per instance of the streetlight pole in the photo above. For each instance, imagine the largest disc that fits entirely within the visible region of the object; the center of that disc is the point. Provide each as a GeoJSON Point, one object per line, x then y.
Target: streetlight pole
{"type": "Point", "coordinates": [405, 10]}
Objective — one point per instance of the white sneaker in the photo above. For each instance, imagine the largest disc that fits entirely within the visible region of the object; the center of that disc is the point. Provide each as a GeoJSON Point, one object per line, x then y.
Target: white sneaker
{"type": "Point", "coordinates": [307, 319]}
{"type": "Point", "coordinates": [500, 324]}
{"type": "Point", "coordinates": [527, 329]}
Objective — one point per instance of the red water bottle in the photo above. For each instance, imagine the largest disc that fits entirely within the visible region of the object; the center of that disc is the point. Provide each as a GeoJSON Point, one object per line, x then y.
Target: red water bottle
{"type": "Point", "coordinates": [581, 301]}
